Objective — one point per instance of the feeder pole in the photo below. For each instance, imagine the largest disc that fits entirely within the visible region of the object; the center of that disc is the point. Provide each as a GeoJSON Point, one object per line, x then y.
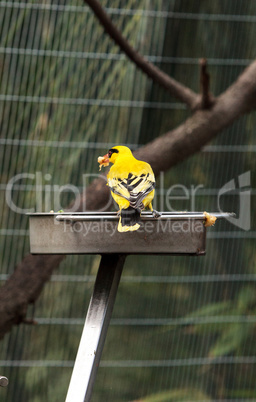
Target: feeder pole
{"type": "Point", "coordinates": [95, 328]}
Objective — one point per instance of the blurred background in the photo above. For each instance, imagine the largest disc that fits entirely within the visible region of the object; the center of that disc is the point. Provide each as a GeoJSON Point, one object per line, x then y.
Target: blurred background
{"type": "Point", "coordinates": [183, 328]}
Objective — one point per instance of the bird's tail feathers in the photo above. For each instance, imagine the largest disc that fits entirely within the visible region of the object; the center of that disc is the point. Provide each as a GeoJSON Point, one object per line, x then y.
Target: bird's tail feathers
{"type": "Point", "coordinates": [129, 220]}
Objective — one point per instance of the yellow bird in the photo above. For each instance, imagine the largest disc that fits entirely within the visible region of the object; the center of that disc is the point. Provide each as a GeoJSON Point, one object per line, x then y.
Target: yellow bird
{"type": "Point", "coordinates": [132, 184]}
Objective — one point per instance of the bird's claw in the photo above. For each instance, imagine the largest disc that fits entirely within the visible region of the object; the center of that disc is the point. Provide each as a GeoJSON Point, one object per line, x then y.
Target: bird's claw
{"type": "Point", "coordinates": [156, 214]}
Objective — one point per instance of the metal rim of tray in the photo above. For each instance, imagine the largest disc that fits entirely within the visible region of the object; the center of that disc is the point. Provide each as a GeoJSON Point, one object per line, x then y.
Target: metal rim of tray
{"type": "Point", "coordinates": [92, 215]}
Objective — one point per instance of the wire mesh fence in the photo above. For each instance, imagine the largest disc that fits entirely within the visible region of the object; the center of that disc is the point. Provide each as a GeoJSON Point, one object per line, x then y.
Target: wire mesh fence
{"type": "Point", "coordinates": [182, 328]}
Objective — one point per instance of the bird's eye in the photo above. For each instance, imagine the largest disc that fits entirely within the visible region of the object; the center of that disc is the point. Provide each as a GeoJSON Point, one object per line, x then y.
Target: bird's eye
{"type": "Point", "coordinates": [111, 151]}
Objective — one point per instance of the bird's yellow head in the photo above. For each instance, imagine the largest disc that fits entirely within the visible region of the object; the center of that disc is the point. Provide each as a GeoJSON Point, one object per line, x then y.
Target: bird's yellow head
{"type": "Point", "coordinates": [113, 154]}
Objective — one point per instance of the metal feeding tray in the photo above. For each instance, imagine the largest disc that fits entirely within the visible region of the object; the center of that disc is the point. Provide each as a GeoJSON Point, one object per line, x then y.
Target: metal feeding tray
{"type": "Point", "coordinates": [96, 233]}
{"type": "Point", "coordinates": [180, 233]}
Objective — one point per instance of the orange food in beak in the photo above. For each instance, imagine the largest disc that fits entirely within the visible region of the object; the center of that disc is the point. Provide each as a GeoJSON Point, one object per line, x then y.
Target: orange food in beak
{"type": "Point", "coordinates": [103, 160]}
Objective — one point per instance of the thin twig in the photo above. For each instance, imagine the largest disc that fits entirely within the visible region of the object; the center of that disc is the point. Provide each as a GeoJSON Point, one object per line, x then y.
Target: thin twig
{"type": "Point", "coordinates": [207, 99]}
{"type": "Point", "coordinates": [175, 88]}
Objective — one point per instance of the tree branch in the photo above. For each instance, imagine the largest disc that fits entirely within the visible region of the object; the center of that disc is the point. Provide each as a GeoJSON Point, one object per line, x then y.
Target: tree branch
{"type": "Point", "coordinates": [25, 284]}
{"type": "Point", "coordinates": [175, 88]}
{"type": "Point", "coordinates": [173, 147]}
{"type": "Point", "coordinates": [24, 287]}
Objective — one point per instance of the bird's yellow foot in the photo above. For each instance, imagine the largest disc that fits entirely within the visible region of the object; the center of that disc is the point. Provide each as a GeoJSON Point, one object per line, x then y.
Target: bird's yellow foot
{"type": "Point", "coordinates": [156, 214]}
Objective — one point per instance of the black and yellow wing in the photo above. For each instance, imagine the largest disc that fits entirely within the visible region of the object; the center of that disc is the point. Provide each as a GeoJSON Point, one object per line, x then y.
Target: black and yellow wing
{"type": "Point", "coordinates": [134, 188]}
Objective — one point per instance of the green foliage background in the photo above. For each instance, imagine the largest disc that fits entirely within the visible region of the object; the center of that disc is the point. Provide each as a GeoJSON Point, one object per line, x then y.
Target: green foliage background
{"type": "Point", "coordinates": [183, 329]}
